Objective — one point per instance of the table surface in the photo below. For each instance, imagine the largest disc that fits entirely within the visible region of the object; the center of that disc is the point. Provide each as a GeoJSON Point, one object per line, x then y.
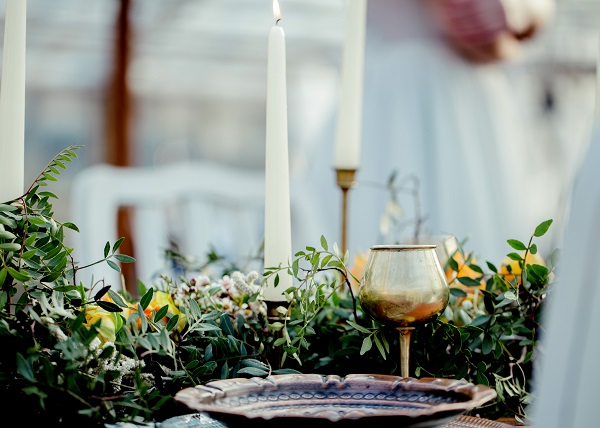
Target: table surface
{"type": "Point", "coordinates": [200, 420]}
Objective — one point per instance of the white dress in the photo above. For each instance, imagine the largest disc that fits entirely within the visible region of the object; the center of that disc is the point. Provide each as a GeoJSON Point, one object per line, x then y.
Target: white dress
{"type": "Point", "coordinates": [457, 127]}
{"type": "Point", "coordinates": [567, 375]}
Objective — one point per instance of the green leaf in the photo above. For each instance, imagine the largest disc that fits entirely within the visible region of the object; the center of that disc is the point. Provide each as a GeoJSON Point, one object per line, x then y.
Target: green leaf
{"type": "Point", "coordinates": [251, 362]}
{"type": "Point", "coordinates": [253, 371]}
{"type": "Point", "coordinates": [542, 228]}
{"type": "Point", "coordinates": [533, 249]}
{"type": "Point", "coordinates": [102, 292]}
{"type": "Point", "coordinates": [517, 245]}
{"type": "Point", "coordinates": [146, 299]}
{"type": "Point", "coordinates": [24, 368]}
{"type": "Point", "coordinates": [106, 249]}
{"type": "Point", "coordinates": [458, 292]}
{"type": "Point", "coordinates": [476, 268]}
{"type": "Point", "coordinates": [10, 246]}
{"type": "Point", "coordinates": [2, 276]}
{"type": "Point", "coordinates": [226, 325]}
{"type": "Point", "coordinates": [540, 270]}
{"type": "Point", "coordinates": [225, 371]}
{"type": "Point", "coordinates": [379, 346]}
{"type": "Point", "coordinates": [173, 322]}
{"type": "Point", "coordinates": [366, 345]}
{"type": "Point", "coordinates": [109, 306]}
{"type": "Point", "coordinates": [280, 341]}
{"type": "Point", "coordinates": [117, 299]}
{"type": "Point", "coordinates": [358, 327]}
{"type": "Point", "coordinates": [510, 295]}
{"type": "Point", "coordinates": [3, 299]}
{"type": "Point", "coordinates": [481, 377]}
{"type": "Point", "coordinates": [480, 320]}
{"type": "Point", "coordinates": [4, 234]}
{"type": "Point", "coordinates": [324, 243]}
{"type": "Point", "coordinates": [143, 318]}
{"type": "Point", "coordinates": [276, 326]}
{"type": "Point", "coordinates": [6, 221]}
{"type": "Point", "coordinates": [17, 275]}
{"type": "Point", "coordinates": [6, 207]}
{"type": "Point", "coordinates": [465, 280]}
{"type": "Point", "coordinates": [161, 313]}
{"type": "Point", "coordinates": [514, 256]}
{"type": "Point", "coordinates": [71, 226]}
{"type": "Point", "coordinates": [113, 265]}
{"type": "Point", "coordinates": [117, 245]}
{"type": "Point", "coordinates": [326, 260]}
{"type": "Point", "coordinates": [453, 264]}
{"type": "Point", "coordinates": [124, 258]}
{"type": "Point", "coordinates": [286, 371]}
{"type": "Point", "coordinates": [487, 345]}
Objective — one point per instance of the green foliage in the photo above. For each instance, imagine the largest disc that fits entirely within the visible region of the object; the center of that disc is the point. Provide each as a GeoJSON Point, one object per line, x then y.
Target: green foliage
{"type": "Point", "coordinates": [488, 334]}
{"type": "Point", "coordinates": [86, 355]}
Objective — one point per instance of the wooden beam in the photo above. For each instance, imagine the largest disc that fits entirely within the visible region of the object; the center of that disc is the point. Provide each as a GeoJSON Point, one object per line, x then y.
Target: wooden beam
{"type": "Point", "coordinates": [119, 149]}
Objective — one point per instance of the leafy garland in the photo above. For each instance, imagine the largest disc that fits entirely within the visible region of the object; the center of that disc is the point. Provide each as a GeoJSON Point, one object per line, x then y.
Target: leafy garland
{"type": "Point", "coordinates": [82, 353]}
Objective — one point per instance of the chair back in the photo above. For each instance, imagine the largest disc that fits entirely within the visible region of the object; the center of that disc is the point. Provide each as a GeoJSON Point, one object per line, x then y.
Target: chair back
{"type": "Point", "coordinates": [197, 205]}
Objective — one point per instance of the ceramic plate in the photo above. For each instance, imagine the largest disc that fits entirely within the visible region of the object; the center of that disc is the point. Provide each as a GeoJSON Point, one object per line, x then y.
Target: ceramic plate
{"type": "Point", "coordinates": [320, 400]}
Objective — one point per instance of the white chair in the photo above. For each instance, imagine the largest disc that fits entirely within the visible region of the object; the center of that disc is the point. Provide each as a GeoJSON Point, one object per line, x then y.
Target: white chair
{"type": "Point", "coordinates": [196, 204]}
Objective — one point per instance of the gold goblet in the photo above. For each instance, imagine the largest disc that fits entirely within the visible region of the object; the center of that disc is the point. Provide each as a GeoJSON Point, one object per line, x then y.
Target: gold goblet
{"type": "Point", "coordinates": [404, 286]}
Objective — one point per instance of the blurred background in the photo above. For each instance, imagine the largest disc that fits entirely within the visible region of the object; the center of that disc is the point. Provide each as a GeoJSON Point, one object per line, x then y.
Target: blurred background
{"type": "Point", "coordinates": [150, 82]}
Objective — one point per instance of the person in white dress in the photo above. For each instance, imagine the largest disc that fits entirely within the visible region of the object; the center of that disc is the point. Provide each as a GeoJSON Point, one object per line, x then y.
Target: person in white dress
{"type": "Point", "coordinates": [440, 106]}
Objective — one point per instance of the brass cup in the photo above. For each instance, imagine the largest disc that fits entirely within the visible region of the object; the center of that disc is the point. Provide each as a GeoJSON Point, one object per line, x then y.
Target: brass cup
{"type": "Point", "coordinates": [404, 286]}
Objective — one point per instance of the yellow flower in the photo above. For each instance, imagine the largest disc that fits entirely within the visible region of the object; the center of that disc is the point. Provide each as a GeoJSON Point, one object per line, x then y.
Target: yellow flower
{"type": "Point", "coordinates": [110, 322]}
{"type": "Point", "coordinates": [160, 299]}
{"type": "Point", "coordinates": [463, 271]}
{"type": "Point", "coordinates": [515, 269]}
{"type": "Point", "coordinates": [358, 270]}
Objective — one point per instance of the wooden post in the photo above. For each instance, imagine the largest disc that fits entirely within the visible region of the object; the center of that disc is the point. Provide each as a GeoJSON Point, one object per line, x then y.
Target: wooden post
{"type": "Point", "coordinates": [118, 142]}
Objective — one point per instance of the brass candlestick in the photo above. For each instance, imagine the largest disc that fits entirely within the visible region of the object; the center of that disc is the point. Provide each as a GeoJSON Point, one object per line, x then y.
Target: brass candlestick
{"type": "Point", "coordinates": [345, 180]}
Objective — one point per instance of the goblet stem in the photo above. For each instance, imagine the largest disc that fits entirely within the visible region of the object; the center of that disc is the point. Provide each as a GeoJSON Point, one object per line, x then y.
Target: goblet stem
{"type": "Point", "coordinates": [405, 334]}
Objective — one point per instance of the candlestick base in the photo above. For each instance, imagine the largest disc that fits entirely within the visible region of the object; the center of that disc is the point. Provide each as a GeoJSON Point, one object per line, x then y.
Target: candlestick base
{"type": "Point", "coordinates": [275, 354]}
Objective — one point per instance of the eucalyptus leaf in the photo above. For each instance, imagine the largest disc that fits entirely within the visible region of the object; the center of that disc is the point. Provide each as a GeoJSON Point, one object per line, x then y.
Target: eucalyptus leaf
{"type": "Point", "coordinates": [542, 228]}
{"type": "Point", "coordinates": [113, 265]}
{"type": "Point", "coordinates": [146, 299]}
{"type": "Point", "coordinates": [10, 246]}
{"type": "Point", "coordinates": [4, 234]}
{"type": "Point", "coordinates": [6, 207]}
{"type": "Point", "coordinates": [253, 371]}
{"type": "Point", "coordinates": [517, 245]}
{"type": "Point", "coordinates": [124, 258]}
{"type": "Point", "coordinates": [366, 345]}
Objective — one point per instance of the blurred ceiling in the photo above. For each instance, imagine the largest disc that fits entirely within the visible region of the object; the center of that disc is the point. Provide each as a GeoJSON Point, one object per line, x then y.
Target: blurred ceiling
{"type": "Point", "coordinates": [179, 47]}
{"type": "Point", "coordinates": [217, 47]}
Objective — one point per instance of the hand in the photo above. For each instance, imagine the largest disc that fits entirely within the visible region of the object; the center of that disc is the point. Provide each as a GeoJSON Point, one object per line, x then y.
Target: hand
{"type": "Point", "coordinates": [476, 28]}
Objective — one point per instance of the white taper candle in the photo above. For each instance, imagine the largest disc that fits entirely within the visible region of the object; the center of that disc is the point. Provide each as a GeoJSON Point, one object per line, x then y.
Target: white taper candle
{"type": "Point", "coordinates": [278, 236]}
{"type": "Point", "coordinates": [12, 102]}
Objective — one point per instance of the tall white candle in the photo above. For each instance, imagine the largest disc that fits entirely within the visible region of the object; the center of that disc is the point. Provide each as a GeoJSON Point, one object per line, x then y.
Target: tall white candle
{"type": "Point", "coordinates": [278, 235]}
{"type": "Point", "coordinates": [12, 102]}
{"type": "Point", "coordinates": [597, 110]}
{"type": "Point", "coordinates": [349, 121]}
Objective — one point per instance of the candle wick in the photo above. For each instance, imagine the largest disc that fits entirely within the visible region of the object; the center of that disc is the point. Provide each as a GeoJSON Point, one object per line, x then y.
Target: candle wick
{"type": "Point", "coordinates": [277, 21]}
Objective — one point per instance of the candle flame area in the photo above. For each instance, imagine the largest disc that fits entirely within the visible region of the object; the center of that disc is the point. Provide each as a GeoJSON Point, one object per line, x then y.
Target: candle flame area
{"type": "Point", "coordinates": [276, 11]}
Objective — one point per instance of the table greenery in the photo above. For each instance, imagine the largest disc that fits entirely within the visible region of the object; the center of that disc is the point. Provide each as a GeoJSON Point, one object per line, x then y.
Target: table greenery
{"type": "Point", "coordinates": [76, 353]}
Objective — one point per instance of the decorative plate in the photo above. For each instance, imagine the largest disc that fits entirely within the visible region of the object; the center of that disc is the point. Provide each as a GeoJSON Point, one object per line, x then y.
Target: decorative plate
{"type": "Point", "coordinates": [354, 400]}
